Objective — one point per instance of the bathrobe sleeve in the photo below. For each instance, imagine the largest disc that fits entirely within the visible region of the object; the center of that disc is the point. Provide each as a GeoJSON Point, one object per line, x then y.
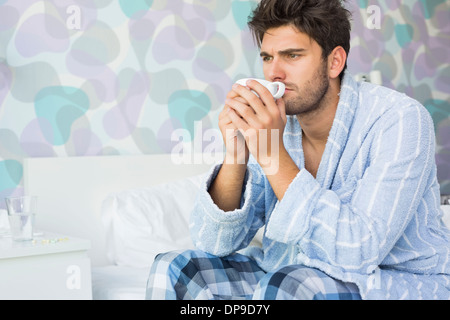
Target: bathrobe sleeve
{"type": "Point", "coordinates": [222, 233]}
{"type": "Point", "coordinates": [356, 228]}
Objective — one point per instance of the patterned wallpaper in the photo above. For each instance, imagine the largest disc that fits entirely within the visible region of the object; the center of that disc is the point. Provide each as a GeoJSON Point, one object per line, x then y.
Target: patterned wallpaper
{"type": "Point", "coordinates": [109, 77]}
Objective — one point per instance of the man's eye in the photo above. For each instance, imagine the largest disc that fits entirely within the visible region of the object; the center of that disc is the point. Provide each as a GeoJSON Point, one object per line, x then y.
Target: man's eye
{"type": "Point", "coordinates": [293, 56]}
{"type": "Point", "coordinates": [266, 59]}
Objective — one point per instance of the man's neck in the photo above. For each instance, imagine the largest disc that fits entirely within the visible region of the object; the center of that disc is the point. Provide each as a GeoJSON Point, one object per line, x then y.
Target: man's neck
{"type": "Point", "coordinates": [316, 125]}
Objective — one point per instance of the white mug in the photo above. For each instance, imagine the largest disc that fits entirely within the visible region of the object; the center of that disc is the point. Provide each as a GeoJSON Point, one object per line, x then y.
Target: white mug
{"type": "Point", "coordinates": [276, 88]}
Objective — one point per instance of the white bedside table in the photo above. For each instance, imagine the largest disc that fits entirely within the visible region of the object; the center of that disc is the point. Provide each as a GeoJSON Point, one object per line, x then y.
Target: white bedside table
{"type": "Point", "coordinates": [50, 267]}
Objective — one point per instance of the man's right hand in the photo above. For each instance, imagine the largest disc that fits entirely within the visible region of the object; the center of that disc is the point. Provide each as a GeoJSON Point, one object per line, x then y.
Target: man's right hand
{"type": "Point", "coordinates": [236, 148]}
{"type": "Point", "coordinates": [226, 188]}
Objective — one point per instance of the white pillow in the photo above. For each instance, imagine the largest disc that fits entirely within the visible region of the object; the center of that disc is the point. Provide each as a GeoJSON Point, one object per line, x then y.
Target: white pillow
{"type": "Point", "coordinates": [141, 223]}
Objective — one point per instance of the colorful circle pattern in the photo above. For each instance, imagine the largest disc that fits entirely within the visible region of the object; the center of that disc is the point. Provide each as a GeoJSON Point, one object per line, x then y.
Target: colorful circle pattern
{"type": "Point", "coordinates": [104, 77]}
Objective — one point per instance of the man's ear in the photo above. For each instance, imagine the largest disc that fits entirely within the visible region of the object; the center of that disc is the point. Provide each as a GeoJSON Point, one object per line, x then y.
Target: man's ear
{"type": "Point", "coordinates": [336, 62]}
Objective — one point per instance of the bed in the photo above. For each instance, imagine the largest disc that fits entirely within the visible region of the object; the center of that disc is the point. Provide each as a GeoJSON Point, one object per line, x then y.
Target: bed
{"type": "Point", "coordinates": [129, 207]}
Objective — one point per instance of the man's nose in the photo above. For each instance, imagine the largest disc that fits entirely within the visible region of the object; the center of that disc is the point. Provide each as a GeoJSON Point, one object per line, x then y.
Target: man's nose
{"type": "Point", "coordinates": [275, 71]}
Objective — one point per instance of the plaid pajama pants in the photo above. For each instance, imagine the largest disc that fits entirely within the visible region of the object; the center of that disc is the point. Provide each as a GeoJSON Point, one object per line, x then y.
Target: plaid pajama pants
{"type": "Point", "coordinates": [194, 274]}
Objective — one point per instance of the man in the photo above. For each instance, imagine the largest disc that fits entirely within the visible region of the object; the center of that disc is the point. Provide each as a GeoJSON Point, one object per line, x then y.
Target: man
{"type": "Point", "coordinates": [352, 211]}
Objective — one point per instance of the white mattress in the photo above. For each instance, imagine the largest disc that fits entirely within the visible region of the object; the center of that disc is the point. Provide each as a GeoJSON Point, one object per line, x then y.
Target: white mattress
{"type": "Point", "coordinates": [119, 283]}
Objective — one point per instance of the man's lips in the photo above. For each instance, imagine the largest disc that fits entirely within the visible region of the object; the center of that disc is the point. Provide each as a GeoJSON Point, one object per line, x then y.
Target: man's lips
{"type": "Point", "coordinates": [289, 88]}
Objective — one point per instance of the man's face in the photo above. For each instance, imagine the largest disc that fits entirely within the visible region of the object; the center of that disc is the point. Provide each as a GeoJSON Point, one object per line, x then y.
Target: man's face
{"type": "Point", "coordinates": [293, 58]}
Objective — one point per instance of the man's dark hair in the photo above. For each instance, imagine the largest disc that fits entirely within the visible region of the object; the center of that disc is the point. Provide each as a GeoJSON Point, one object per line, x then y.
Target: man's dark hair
{"type": "Point", "coordinates": [325, 21]}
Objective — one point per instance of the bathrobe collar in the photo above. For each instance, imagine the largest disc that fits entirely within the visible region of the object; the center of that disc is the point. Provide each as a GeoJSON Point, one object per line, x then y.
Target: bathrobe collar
{"type": "Point", "coordinates": [338, 135]}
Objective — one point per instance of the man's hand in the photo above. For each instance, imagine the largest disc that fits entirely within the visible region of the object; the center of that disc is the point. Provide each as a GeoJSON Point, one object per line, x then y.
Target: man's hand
{"type": "Point", "coordinates": [236, 149]}
{"type": "Point", "coordinates": [260, 120]}
{"type": "Point", "coordinates": [226, 188]}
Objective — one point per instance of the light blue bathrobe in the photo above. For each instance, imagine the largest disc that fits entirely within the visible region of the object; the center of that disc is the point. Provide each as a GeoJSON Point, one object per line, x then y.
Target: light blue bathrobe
{"type": "Point", "coordinates": [371, 216]}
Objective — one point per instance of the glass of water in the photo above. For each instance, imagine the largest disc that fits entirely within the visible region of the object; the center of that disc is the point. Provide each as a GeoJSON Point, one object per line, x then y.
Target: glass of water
{"type": "Point", "coordinates": [21, 215]}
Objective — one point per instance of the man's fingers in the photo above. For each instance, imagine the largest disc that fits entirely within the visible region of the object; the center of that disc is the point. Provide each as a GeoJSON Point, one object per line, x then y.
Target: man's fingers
{"type": "Point", "coordinates": [240, 123]}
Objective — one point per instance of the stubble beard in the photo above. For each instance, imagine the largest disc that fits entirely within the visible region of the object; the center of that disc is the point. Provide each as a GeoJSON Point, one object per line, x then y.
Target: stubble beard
{"type": "Point", "coordinates": [311, 98]}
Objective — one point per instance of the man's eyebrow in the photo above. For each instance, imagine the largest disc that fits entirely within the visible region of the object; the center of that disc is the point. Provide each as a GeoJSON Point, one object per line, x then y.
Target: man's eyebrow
{"type": "Point", "coordinates": [292, 50]}
{"type": "Point", "coordinates": [284, 52]}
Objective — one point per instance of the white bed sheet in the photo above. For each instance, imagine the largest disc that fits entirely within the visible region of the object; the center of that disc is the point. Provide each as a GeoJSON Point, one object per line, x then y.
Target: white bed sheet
{"type": "Point", "coordinates": [119, 283]}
